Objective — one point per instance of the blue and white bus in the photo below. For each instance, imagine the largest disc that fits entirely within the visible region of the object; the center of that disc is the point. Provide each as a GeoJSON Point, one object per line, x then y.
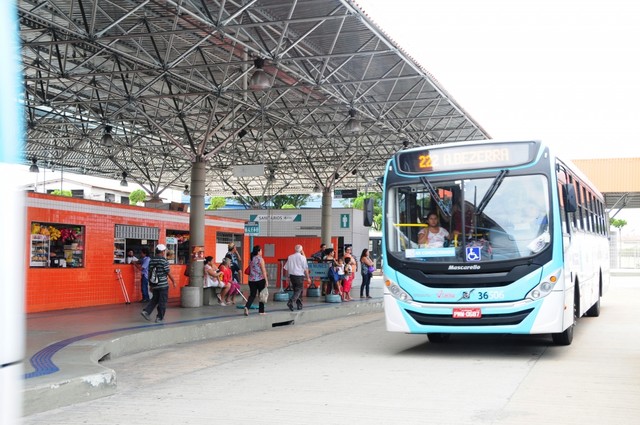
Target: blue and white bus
{"type": "Point", "coordinates": [527, 249]}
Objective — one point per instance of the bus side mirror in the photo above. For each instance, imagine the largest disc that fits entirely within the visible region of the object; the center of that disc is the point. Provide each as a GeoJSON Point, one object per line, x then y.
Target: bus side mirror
{"type": "Point", "coordinates": [569, 194]}
{"type": "Point", "coordinates": [368, 212]}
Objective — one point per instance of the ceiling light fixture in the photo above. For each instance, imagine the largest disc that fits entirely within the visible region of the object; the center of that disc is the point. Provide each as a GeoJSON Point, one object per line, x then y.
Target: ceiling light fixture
{"type": "Point", "coordinates": [353, 125]}
{"type": "Point", "coordinates": [107, 139]}
{"type": "Point", "coordinates": [34, 167]}
{"type": "Point", "coordinates": [186, 189]}
{"type": "Point", "coordinates": [124, 182]}
{"type": "Point", "coordinates": [259, 80]}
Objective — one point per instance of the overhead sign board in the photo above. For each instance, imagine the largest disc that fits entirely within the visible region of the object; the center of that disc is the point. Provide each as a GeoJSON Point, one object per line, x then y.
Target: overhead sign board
{"type": "Point", "coordinates": [345, 193]}
{"type": "Point", "coordinates": [248, 170]}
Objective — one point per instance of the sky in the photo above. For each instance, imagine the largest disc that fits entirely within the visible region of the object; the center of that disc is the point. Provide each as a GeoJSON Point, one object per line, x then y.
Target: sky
{"type": "Point", "coordinates": [566, 72]}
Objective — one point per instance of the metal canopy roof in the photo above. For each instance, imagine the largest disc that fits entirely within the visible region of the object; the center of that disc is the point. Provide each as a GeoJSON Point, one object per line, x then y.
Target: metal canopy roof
{"type": "Point", "coordinates": [171, 78]}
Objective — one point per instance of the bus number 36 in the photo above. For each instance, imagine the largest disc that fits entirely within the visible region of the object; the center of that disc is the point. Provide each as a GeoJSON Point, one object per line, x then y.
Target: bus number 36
{"type": "Point", "coordinates": [490, 295]}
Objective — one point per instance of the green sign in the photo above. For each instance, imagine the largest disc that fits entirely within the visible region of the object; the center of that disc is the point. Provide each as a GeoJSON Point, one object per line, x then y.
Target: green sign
{"type": "Point", "coordinates": [252, 228]}
{"type": "Point", "coordinates": [344, 221]}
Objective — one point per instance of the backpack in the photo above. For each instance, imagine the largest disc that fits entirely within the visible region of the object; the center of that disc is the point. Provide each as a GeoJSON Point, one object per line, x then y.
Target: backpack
{"type": "Point", "coordinates": [332, 273]}
{"type": "Point", "coordinates": [153, 276]}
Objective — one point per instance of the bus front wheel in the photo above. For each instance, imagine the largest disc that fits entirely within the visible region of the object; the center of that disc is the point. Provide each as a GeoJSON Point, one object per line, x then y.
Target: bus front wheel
{"type": "Point", "coordinates": [566, 337]}
{"type": "Point", "coordinates": [436, 338]}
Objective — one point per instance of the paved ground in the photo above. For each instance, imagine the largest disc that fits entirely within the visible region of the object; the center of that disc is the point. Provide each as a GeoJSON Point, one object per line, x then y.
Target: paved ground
{"type": "Point", "coordinates": [64, 347]}
{"type": "Point", "coordinates": [350, 370]}
{"type": "Point", "coordinates": [601, 369]}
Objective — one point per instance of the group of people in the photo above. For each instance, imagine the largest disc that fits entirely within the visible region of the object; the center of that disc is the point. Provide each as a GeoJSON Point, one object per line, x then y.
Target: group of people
{"type": "Point", "coordinates": [226, 277]}
{"type": "Point", "coordinates": [342, 271]}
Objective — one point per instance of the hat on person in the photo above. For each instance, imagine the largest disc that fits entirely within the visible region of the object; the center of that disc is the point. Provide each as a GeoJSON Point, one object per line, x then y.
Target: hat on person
{"type": "Point", "coordinates": [161, 247]}
{"type": "Point", "coordinates": [231, 245]}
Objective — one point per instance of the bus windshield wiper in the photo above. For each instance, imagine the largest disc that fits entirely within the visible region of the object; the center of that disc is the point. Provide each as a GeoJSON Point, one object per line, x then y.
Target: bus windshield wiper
{"type": "Point", "coordinates": [492, 191]}
{"type": "Point", "coordinates": [434, 194]}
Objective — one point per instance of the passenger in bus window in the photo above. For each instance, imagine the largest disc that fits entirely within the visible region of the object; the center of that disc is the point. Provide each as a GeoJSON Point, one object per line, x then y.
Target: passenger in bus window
{"type": "Point", "coordinates": [433, 236]}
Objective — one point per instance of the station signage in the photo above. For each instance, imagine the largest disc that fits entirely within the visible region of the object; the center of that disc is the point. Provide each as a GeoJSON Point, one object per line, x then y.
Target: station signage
{"type": "Point", "coordinates": [345, 193]}
{"type": "Point", "coordinates": [252, 228]}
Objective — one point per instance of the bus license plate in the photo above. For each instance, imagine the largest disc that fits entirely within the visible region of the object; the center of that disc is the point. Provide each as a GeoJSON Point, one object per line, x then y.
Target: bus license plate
{"type": "Point", "coordinates": [467, 313]}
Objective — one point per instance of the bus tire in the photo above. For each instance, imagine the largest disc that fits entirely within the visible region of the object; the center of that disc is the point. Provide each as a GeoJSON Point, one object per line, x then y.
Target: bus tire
{"type": "Point", "coordinates": [594, 311]}
{"type": "Point", "coordinates": [437, 338]}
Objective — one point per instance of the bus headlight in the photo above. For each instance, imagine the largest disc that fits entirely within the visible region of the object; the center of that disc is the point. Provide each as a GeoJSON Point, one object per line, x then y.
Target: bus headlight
{"type": "Point", "coordinates": [545, 286]}
{"type": "Point", "coordinates": [397, 291]}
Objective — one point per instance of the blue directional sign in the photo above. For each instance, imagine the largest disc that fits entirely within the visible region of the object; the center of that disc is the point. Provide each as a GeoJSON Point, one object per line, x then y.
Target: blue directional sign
{"type": "Point", "coordinates": [252, 228]}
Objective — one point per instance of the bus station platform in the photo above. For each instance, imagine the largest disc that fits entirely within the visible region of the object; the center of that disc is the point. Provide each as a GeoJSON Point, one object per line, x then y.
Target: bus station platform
{"type": "Point", "coordinates": [64, 348]}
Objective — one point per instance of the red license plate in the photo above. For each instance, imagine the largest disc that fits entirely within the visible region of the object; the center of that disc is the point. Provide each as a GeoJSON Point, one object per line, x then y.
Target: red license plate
{"type": "Point", "coordinates": [467, 313]}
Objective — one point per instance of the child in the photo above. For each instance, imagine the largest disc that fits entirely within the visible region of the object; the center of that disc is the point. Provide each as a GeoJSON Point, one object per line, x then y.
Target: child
{"type": "Point", "coordinates": [346, 282]}
{"type": "Point", "coordinates": [338, 284]}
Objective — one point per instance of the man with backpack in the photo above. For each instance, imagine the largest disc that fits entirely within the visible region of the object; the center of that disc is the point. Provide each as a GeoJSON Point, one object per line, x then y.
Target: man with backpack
{"type": "Point", "coordinates": [159, 276]}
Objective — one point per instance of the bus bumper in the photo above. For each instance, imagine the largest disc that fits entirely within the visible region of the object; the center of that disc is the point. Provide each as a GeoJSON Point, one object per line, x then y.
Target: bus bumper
{"type": "Point", "coordinates": [521, 317]}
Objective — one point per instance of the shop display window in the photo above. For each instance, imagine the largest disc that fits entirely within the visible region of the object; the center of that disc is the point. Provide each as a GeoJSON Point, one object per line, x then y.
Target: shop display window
{"type": "Point", "coordinates": [177, 247]}
{"type": "Point", "coordinates": [56, 245]}
{"type": "Point", "coordinates": [133, 238]}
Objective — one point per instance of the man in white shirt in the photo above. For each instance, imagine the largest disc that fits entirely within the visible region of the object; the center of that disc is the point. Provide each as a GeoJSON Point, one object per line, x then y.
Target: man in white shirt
{"type": "Point", "coordinates": [131, 259]}
{"type": "Point", "coordinates": [297, 268]}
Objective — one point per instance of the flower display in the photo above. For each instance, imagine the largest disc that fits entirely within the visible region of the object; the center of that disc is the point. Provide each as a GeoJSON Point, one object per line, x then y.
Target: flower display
{"type": "Point", "coordinates": [68, 235]}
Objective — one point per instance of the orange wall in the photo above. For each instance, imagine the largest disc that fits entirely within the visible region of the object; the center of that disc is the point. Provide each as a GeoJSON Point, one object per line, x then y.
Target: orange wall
{"type": "Point", "coordinates": [96, 283]}
{"type": "Point", "coordinates": [285, 246]}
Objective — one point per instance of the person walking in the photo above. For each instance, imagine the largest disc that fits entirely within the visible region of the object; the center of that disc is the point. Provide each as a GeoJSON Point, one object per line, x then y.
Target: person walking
{"type": "Point", "coordinates": [257, 279]}
{"type": "Point", "coordinates": [236, 259]}
{"type": "Point", "coordinates": [159, 276]}
{"type": "Point", "coordinates": [297, 268]}
{"type": "Point", "coordinates": [144, 274]}
{"type": "Point", "coordinates": [366, 267]}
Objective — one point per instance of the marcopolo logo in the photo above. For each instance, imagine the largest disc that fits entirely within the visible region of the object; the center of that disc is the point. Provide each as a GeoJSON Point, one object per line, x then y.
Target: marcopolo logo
{"type": "Point", "coordinates": [473, 267]}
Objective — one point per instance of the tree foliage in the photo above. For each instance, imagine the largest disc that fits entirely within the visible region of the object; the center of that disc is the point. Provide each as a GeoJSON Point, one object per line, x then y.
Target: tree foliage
{"type": "Point", "coordinates": [618, 223]}
{"type": "Point", "coordinates": [59, 192]}
{"type": "Point", "coordinates": [136, 196]}
{"type": "Point", "coordinates": [216, 203]}
{"type": "Point", "coordinates": [296, 201]}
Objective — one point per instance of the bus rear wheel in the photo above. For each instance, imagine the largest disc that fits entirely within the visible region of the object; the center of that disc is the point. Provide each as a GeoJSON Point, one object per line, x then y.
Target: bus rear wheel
{"type": "Point", "coordinates": [594, 311]}
{"type": "Point", "coordinates": [437, 338]}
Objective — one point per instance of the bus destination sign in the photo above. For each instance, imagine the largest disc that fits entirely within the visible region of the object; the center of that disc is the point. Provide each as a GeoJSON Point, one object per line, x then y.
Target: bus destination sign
{"type": "Point", "coordinates": [465, 157]}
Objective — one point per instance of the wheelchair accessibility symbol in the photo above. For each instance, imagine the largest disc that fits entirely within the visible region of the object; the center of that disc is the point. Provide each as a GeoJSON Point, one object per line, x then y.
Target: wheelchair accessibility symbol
{"type": "Point", "coordinates": [473, 253]}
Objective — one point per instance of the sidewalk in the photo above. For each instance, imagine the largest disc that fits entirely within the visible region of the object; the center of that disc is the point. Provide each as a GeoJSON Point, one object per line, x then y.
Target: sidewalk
{"type": "Point", "coordinates": [64, 348]}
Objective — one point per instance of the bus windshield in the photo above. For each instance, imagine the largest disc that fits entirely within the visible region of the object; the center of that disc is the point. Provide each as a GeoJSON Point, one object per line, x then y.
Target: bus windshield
{"type": "Point", "coordinates": [495, 218]}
